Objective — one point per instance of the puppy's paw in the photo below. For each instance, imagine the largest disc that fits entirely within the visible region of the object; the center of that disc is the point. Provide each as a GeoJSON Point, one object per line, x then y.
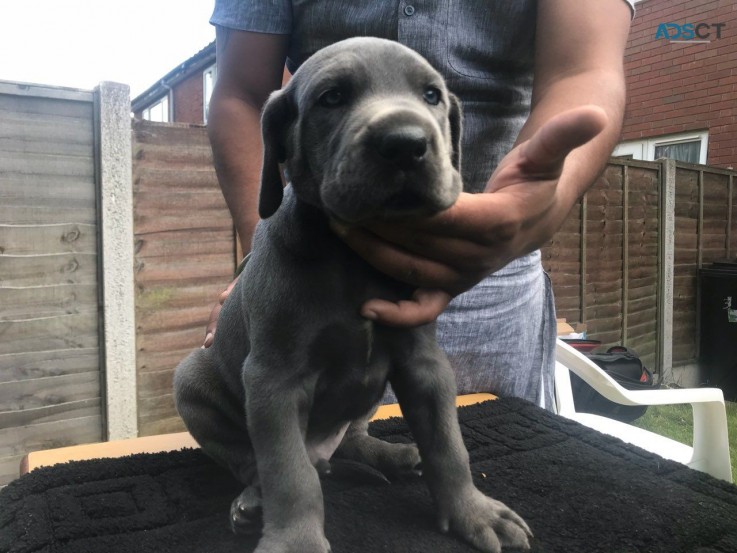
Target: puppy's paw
{"type": "Point", "coordinates": [485, 523]}
{"type": "Point", "coordinates": [393, 460]}
{"type": "Point", "coordinates": [400, 460]}
{"type": "Point", "coordinates": [246, 514]}
{"type": "Point", "coordinates": [293, 542]}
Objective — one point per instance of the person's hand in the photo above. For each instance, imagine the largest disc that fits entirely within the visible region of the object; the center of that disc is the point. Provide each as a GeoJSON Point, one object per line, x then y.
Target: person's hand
{"type": "Point", "coordinates": [524, 204]}
{"type": "Point", "coordinates": [215, 313]}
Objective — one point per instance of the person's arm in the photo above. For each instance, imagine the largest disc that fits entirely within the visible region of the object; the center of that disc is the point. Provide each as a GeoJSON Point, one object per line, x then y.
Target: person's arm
{"type": "Point", "coordinates": [579, 60]}
{"type": "Point", "coordinates": [250, 67]}
{"type": "Point", "coordinates": [577, 108]}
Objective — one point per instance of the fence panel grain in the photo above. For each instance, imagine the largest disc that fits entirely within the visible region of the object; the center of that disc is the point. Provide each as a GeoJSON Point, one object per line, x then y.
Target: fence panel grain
{"type": "Point", "coordinates": [185, 256]}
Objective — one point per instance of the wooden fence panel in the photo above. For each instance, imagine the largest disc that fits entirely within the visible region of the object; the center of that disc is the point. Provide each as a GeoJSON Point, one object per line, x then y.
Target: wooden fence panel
{"type": "Point", "coordinates": [702, 223]}
{"type": "Point", "coordinates": [49, 354]}
{"type": "Point", "coordinates": [618, 260]}
{"type": "Point", "coordinates": [642, 262]}
{"type": "Point", "coordinates": [185, 256]}
{"type": "Point", "coordinates": [607, 278]}
{"type": "Point", "coordinates": [604, 254]}
{"type": "Point", "coordinates": [561, 258]}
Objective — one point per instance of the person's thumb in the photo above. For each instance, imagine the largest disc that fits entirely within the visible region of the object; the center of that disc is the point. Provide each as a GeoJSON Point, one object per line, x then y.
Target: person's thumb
{"type": "Point", "coordinates": [545, 152]}
{"type": "Point", "coordinates": [424, 307]}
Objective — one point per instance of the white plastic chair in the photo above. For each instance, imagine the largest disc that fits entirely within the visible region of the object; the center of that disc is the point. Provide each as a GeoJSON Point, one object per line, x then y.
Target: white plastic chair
{"type": "Point", "coordinates": [710, 451]}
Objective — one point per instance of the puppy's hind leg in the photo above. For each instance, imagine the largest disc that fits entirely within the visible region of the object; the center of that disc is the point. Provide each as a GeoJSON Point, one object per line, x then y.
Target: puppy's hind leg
{"type": "Point", "coordinates": [217, 420]}
{"type": "Point", "coordinates": [393, 460]}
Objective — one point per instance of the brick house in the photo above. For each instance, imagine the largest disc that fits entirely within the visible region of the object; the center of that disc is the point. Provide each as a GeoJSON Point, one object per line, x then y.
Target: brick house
{"type": "Point", "coordinates": [181, 95]}
{"type": "Point", "coordinates": [681, 67]}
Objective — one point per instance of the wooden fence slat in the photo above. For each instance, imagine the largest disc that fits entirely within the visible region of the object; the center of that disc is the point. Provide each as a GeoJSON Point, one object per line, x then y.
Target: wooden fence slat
{"type": "Point", "coordinates": [46, 270]}
{"type": "Point", "coordinates": [183, 243]}
{"type": "Point", "coordinates": [47, 165]}
{"type": "Point", "coordinates": [153, 361]}
{"type": "Point", "coordinates": [40, 364]}
{"type": "Point", "coordinates": [48, 239]}
{"type": "Point", "coordinates": [45, 109]}
{"type": "Point", "coordinates": [16, 441]}
{"type": "Point", "coordinates": [202, 267]}
{"type": "Point", "coordinates": [38, 136]}
{"type": "Point", "coordinates": [77, 330]}
{"type": "Point", "coordinates": [88, 407]}
{"type": "Point", "coordinates": [32, 302]}
{"type": "Point", "coordinates": [45, 392]}
{"type": "Point", "coordinates": [210, 220]}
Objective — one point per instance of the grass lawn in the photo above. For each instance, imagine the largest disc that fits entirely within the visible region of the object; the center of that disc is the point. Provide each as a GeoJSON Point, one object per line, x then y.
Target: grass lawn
{"type": "Point", "coordinates": [676, 422]}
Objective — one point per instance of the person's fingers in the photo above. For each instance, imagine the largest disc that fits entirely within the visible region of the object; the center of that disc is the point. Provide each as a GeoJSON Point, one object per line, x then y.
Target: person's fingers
{"type": "Point", "coordinates": [544, 153]}
{"type": "Point", "coordinates": [214, 314]}
{"type": "Point", "coordinates": [459, 252]}
{"type": "Point", "coordinates": [397, 262]}
{"type": "Point", "coordinates": [424, 307]}
{"type": "Point", "coordinates": [211, 325]}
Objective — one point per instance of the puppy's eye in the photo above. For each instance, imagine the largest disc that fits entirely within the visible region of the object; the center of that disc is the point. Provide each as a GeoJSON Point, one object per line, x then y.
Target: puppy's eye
{"type": "Point", "coordinates": [332, 98]}
{"type": "Point", "coordinates": [432, 95]}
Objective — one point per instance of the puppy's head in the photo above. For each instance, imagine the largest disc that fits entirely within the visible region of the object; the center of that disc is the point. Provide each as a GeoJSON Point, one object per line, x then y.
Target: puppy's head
{"type": "Point", "coordinates": [366, 129]}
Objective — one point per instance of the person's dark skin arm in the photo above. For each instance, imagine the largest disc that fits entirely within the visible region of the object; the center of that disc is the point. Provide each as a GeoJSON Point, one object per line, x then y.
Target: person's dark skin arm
{"type": "Point", "coordinates": [250, 67]}
{"type": "Point", "coordinates": [575, 121]}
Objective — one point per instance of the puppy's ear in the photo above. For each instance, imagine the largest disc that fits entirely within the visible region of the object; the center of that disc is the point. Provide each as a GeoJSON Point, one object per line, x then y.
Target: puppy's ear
{"type": "Point", "coordinates": [275, 120]}
{"type": "Point", "coordinates": [455, 117]}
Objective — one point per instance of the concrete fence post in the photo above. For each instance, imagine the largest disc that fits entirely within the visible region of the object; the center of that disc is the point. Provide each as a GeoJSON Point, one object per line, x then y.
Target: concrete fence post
{"type": "Point", "coordinates": [113, 111]}
{"type": "Point", "coordinates": [666, 269]}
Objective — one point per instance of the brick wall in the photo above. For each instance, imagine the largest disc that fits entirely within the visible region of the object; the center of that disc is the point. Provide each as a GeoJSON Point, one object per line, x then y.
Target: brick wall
{"type": "Point", "coordinates": [675, 88]}
{"type": "Point", "coordinates": [188, 100]}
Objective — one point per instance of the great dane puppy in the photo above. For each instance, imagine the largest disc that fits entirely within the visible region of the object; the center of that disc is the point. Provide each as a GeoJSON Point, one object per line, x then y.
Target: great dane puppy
{"type": "Point", "coordinates": [366, 129]}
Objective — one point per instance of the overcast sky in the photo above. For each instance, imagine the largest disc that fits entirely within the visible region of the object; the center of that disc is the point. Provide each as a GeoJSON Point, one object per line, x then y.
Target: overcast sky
{"type": "Point", "coordinates": [78, 43]}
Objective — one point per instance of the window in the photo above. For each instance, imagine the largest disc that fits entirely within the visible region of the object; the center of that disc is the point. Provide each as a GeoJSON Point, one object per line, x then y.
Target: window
{"type": "Point", "coordinates": [158, 112]}
{"type": "Point", "coordinates": [209, 76]}
{"type": "Point", "coordinates": [689, 151]}
{"type": "Point", "coordinates": [688, 147]}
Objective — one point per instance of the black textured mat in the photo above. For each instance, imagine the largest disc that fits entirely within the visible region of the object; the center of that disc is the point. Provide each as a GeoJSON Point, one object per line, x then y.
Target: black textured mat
{"type": "Point", "coordinates": [578, 490]}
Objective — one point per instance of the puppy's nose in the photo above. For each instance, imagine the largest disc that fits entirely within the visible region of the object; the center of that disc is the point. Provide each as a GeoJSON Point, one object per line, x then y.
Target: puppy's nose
{"type": "Point", "coordinates": [404, 146]}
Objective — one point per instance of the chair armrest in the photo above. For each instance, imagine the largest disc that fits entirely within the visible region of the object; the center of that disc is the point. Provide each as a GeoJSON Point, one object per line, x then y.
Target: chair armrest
{"type": "Point", "coordinates": [710, 435]}
{"type": "Point", "coordinates": [600, 381]}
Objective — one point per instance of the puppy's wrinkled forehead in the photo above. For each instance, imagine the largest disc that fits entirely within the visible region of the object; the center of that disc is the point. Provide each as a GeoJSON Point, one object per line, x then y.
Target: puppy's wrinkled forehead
{"type": "Point", "coordinates": [371, 65]}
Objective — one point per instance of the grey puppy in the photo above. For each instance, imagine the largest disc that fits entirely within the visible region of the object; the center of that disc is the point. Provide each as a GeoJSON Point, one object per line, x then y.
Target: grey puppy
{"type": "Point", "coordinates": [366, 129]}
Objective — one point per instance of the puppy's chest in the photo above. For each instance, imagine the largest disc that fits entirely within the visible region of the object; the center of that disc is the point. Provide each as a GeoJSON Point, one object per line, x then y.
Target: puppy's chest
{"type": "Point", "coordinates": [353, 362]}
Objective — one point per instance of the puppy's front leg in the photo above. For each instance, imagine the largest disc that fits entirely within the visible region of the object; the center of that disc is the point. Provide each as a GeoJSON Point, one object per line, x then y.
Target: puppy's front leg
{"type": "Point", "coordinates": [293, 510]}
{"type": "Point", "coordinates": [425, 387]}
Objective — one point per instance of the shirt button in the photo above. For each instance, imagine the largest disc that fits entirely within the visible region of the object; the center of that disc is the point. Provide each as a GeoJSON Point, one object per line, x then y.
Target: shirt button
{"type": "Point", "coordinates": [409, 10]}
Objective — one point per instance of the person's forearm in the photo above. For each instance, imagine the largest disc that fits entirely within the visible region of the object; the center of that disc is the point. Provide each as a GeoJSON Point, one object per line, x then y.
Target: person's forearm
{"type": "Point", "coordinates": [599, 88]}
{"type": "Point", "coordinates": [235, 136]}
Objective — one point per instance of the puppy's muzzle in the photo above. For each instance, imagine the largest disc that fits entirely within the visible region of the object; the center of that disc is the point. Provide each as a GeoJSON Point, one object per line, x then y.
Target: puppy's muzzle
{"type": "Point", "coordinates": [403, 146]}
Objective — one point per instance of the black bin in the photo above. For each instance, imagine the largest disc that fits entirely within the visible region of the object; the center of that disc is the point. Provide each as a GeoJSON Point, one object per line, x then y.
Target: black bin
{"type": "Point", "coordinates": [718, 320]}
